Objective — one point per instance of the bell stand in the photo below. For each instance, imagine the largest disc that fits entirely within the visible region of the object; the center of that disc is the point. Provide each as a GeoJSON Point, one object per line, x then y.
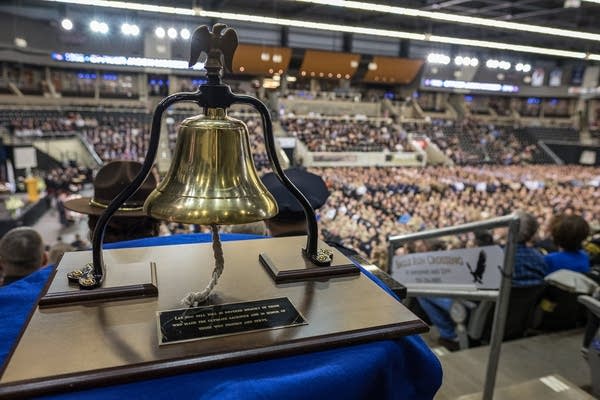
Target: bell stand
{"type": "Point", "coordinates": [214, 94]}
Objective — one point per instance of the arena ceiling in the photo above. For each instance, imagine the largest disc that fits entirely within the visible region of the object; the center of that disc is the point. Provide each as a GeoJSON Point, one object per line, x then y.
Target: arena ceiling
{"type": "Point", "coordinates": [550, 13]}
{"type": "Point", "coordinates": [547, 13]}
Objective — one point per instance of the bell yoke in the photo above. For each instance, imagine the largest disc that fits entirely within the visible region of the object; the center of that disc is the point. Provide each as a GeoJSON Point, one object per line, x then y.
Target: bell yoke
{"type": "Point", "coordinates": [212, 179]}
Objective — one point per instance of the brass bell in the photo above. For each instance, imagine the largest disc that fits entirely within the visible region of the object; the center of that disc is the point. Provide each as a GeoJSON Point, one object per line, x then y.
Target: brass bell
{"type": "Point", "coordinates": [212, 178]}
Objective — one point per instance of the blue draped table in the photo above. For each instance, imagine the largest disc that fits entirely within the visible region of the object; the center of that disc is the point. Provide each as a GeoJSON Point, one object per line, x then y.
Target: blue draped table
{"type": "Point", "coordinates": [388, 369]}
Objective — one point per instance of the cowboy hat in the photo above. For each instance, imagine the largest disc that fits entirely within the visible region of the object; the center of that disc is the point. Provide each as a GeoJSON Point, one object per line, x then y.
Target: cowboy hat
{"type": "Point", "coordinates": [111, 179]}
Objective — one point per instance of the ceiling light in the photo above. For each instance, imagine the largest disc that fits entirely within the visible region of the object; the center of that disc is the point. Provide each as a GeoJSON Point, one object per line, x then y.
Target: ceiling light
{"type": "Point", "coordinates": [354, 64]}
{"type": "Point", "coordinates": [526, 68]}
{"type": "Point", "coordinates": [372, 66]}
{"type": "Point", "coordinates": [130, 30]}
{"type": "Point", "coordinates": [341, 28]}
{"type": "Point", "coordinates": [277, 58]}
{"type": "Point", "coordinates": [159, 32]}
{"type": "Point", "coordinates": [265, 56]}
{"type": "Point", "coordinates": [461, 19]}
{"type": "Point", "coordinates": [99, 27]}
{"type": "Point", "coordinates": [458, 60]}
{"type": "Point", "coordinates": [185, 33]}
{"type": "Point", "coordinates": [347, 76]}
{"type": "Point", "coordinates": [474, 62]}
{"type": "Point", "coordinates": [66, 24]}
{"type": "Point", "coordinates": [172, 33]}
{"type": "Point", "coordinates": [505, 65]}
{"type": "Point", "coordinates": [492, 64]}
{"type": "Point", "coordinates": [435, 58]}
{"type": "Point", "coordinates": [519, 67]}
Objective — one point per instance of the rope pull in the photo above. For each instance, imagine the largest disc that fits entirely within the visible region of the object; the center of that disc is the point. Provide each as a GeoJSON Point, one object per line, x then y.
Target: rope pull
{"type": "Point", "coordinates": [192, 299]}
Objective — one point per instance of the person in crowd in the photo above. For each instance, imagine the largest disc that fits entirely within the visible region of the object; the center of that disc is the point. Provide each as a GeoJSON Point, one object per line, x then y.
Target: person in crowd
{"type": "Point", "coordinates": [528, 271]}
{"type": "Point", "coordinates": [568, 233]}
{"type": "Point", "coordinates": [130, 221]}
{"type": "Point", "coordinates": [529, 267]}
{"type": "Point", "coordinates": [57, 251]}
{"type": "Point", "coordinates": [79, 243]}
{"type": "Point", "coordinates": [21, 254]}
{"type": "Point", "coordinates": [291, 221]}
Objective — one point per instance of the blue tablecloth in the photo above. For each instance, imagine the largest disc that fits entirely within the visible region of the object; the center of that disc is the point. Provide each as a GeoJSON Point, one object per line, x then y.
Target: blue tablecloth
{"type": "Point", "coordinates": [399, 369]}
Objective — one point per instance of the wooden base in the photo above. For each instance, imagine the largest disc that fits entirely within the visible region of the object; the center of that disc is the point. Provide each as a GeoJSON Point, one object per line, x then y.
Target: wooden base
{"type": "Point", "coordinates": [306, 271]}
{"type": "Point", "coordinates": [105, 343]}
{"type": "Point", "coordinates": [122, 282]}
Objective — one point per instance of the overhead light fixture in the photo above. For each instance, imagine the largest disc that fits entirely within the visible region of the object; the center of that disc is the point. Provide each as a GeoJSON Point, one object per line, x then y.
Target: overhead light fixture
{"type": "Point", "coordinates": [466, 61]}
{"type": "Point", "coordinates": [354, 64]}
{"type": "Point", "coordinates": [160, 32]}
{"type": "Point", "coordinates": [495, 64]}
{"type": "Point", "coordinates": [130, 29]}
{"type": "Point", "coordinates": [520, 67]}
{"type": "Point", "coordinates": [99, 27]}
{"type": "Point", "coordinates": [185, 33]}
{"type": "Point", "coordinates": [265, 56]}
{"type": "Point", "coordinates": [172, 33]}
{"type": "Point", "coordinates": [66, 24]}
{"type": "Point", "coordinates": [435, 58]}
{"type": "Point", "coordinates": [372, 66]}
{"type": "Point", "coordinates": [277, 58]}
{"type": "Point", "coordinates": [339, 28]}
{"type": "Point", "coordinates": [460, 19]}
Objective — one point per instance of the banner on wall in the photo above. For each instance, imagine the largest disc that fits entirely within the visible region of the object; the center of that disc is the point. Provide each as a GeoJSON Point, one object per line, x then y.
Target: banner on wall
{"type": "Point", "coordinates": [472, 268]}
{"type": "Point", "coordinates": [537, 78]}
{"type": "Point", "coordinates": [555, 78]}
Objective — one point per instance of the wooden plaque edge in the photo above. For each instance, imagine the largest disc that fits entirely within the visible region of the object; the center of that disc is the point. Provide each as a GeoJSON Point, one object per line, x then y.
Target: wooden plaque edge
{"type": "Point", "coordinates": [289, 275]}
{"type": "Point", "coordinates": [163, 368]}
{"type": "Point", "coordinates": [114, 293]}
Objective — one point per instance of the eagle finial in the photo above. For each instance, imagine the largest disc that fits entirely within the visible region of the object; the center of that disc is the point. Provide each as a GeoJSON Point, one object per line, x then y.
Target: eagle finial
{"type": "Point", "coordinates": [219, 46]}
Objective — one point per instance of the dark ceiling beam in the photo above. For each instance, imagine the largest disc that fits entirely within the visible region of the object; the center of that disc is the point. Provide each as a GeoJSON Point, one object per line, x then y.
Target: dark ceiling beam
{"type": "Point", "coordinates": [449, 3]}
{"type": "Point", "coordinates": [506, 4]}
{"type": "Point", "coordinates": [529, 14]}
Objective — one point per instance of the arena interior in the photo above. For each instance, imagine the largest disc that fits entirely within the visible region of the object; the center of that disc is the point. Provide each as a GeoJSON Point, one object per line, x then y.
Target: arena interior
{"type": "Point", "coordinates": [419, 116]}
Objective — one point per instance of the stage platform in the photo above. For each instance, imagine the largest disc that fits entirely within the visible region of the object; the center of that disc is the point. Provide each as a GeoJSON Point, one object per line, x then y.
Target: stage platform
{"type": "Point", "coordinates": [27, 215]}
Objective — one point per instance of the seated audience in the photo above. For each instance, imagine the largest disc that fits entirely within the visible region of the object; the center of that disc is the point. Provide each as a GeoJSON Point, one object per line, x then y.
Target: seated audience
{"type": "Point", "coordinates": [130, 221]}
{"type": "Point", "coordinates": [528, 271]}
{"type": "Point", "coordinates": [568, 233]}
{"type": "Point", "coordinates": [21, 254]}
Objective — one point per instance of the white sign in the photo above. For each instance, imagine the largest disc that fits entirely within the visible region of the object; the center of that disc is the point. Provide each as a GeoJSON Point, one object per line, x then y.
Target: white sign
{"type": "Point", "coordinates": [25, 157]}
{"type": "Point", "coordinates": [476, 268]}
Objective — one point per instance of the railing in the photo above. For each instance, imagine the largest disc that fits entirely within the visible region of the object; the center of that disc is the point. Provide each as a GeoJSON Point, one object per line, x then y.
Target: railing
{"type": "Point", "coordinates": [501, 296]}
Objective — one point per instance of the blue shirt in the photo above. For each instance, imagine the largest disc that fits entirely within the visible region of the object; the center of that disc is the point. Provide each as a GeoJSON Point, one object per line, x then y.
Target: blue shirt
{"type": "Point", "coordinates": [577, 261]}
{"type": "Point", "coordinates": [530, 267]}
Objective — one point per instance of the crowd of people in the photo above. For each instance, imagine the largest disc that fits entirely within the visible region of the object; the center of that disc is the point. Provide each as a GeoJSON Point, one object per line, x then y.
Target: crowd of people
{"type": "Point", "coordinates": [472, 142]}
{"type": "Point", "coordinates": [347, 135]}
{"type": "Point", "coordinates": [369, 204]}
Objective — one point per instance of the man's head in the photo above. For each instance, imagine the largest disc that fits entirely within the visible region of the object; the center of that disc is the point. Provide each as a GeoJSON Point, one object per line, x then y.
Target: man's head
{"type": "Point", "coordinates": [21, 253]}
{"type": "Point", "coordinates": [291, 218]}
{"type": "Point", "coordinates": [528, 226]}
{"type": "Point", "coordinates": [130, 221]}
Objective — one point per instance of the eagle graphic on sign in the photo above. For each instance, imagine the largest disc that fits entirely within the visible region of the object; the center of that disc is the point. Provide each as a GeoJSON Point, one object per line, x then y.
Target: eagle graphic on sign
{"type": "Point", "coordinates": [480, 268]}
